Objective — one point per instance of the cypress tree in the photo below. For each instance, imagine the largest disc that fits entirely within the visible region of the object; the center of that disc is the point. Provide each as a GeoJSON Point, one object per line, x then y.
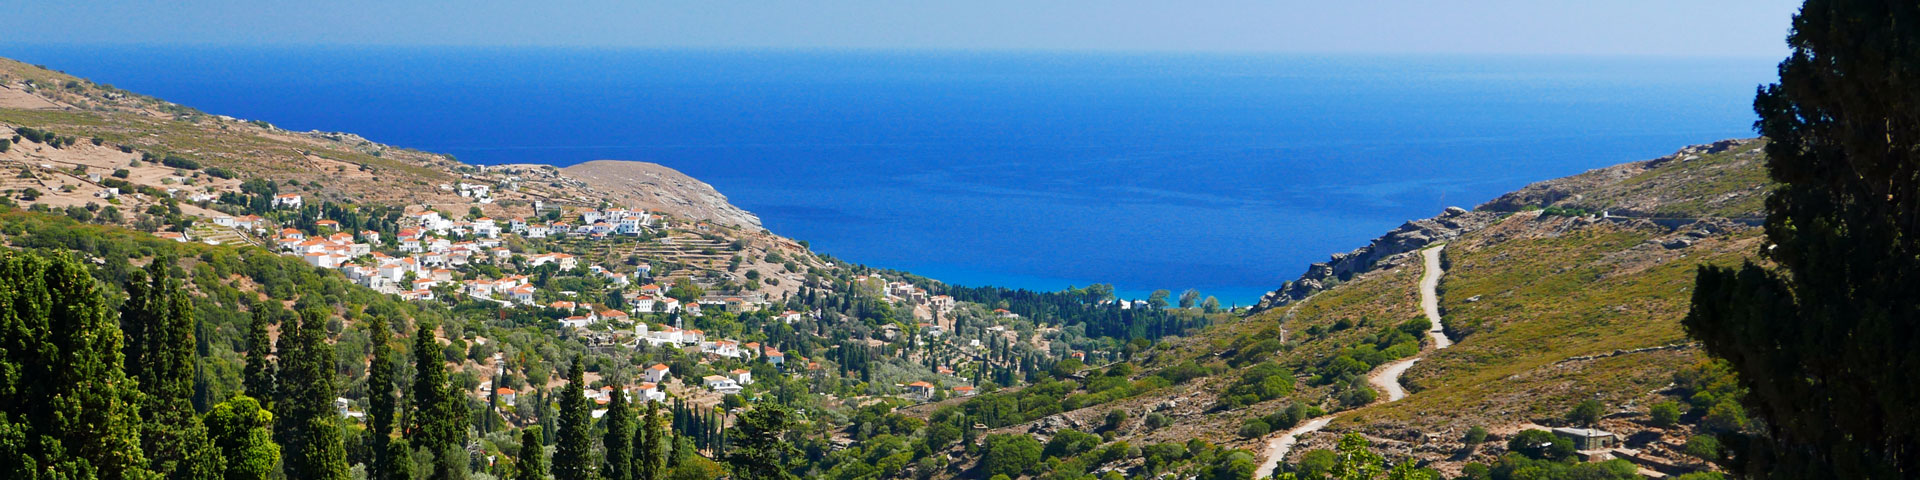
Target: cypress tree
{"type": "Point", "coordinates": [1824, 338]}
{"type": "Point", "coordinates": [399, 460]}
{"type": "Point", "coordinates": [258, 373]}
{"type": "Point", "coordinates": [313, 448]}
{"type": "Point", "coordinates": [242, 432]}
{"type": "Point", "coordinates": [650, 444]}
{"type": "Point", "coordinates": [380, 398]}
{"type": "Point", "coordinates": [162, 356]}
{"type": "Point", "coordinates": [761, 451]}
{"type": "Point", "coordinates": [616, 443]}
{"type": "Point", "coordinates": [533, 456]}
{"type": "Point", "coordinates": [435, 409]}
{"type": "Point", "coordinates": [573, 457]}
{"type": "Point", "coordinates": [67, 408]}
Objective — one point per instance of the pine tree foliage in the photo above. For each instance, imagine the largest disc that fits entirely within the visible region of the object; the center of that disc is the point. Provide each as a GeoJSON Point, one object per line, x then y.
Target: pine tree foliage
{"type": "Point", "coordinates": [67, 408]}
{"type": "Point", "coordinates": [313, 448]}
{"type": "Point", "coordinates": [573, 453]}
{"type": "Point", "coordinates": [1824, 340]}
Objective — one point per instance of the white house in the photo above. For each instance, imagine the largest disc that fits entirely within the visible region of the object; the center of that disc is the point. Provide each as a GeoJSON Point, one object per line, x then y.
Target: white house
{"type": "Point", "coordinates": [657, 373]}
{"type": "Point", "coordinates": [287, 200]}
{"type": "Point", "coordinates": [742, 376]}
{"type": "Point", "coordinates": [724, 385]}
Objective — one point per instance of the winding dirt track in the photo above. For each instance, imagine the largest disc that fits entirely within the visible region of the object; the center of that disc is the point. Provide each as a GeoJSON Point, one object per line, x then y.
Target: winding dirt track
{"type": "Point", "coordinates": [1386, 378]}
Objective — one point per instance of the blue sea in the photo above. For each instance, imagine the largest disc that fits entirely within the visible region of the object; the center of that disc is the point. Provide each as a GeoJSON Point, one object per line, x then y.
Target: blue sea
{"type": "Point", "coordinates": [1228, 173]}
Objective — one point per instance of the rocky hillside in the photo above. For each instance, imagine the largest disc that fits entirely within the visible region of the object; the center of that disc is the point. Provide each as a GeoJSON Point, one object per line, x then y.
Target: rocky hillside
{"type": "Point", "coordinates": [1721, 180]}
{"type": "Point", "coordinates": [1568, 290]}
{"type": "Point", "coordinates": [655, 187]}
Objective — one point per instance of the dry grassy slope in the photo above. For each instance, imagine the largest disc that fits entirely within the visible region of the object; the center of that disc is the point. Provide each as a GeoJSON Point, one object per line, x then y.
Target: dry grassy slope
{"type": "Point", "coordinates": [1721, 179]}
{"type": "Point", "coordinates": [1550, 289]}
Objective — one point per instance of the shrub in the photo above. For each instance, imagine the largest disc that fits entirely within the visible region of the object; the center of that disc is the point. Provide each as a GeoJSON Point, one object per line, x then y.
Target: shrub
{"type": "Point", "coordinates": [219, 172]}
{"type": "Point", "coordinates": [1155, 421]}
{"type": "Point", "coordinates": [1540, 445]}
{"type": "Point", "coordinates": [1586, 413]}
{"type": "Point", "coordinates": [1254, 428]}
{"type": "Point", "coordinates": [5, 145]}
{"type": "Point", "coordinates": [176, 161]}
{"type": "Point", "coordinates": [1704, 447]}
{"type": "Point", "coordinates": [122, 173]}
{"type": "Point", "coordinates": [1664, 414]}
{"type": "Point", "coordinates": [1476, 435]}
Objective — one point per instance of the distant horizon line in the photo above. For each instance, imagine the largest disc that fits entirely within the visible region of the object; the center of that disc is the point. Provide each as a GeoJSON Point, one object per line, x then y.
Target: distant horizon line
{"type": "Point", "coordinates": [834, 49]}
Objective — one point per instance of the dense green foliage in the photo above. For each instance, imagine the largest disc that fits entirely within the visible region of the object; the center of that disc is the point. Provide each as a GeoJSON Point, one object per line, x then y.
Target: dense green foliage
{"type": "Point", "coordinates": [158, 324]}
{"type": "Point", "coordinates": [1824, 342]}
{"type": "Point", "coordinates": [309, 427]}
{"type": "Point", "coordinates": [242, 434]}
{"type": "Point", "coordinates": [573, 459]}
{"type": "Point", "coordinates": [67, 409]}
{"type": "Point", "coordinates": [759, 449]}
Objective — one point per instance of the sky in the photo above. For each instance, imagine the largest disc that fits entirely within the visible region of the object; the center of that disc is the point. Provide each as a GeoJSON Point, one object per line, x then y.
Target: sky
{"type": "Point", "coordinates": [1579, 27]}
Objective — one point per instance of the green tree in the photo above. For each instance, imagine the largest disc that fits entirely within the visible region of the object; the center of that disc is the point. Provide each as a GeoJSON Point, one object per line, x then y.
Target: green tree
{"type": "Point", "coordinates": [651, 445]}
{"type": "Point", "coordinates": [1823, 340]}
{"type": "Point", "coordinates": [573, 455]}
{"type": "Point", "coordinates": [1541, 445]}
{"type": "Point", "coordinates": [158, 320]}
{"type": "Point", "coordinates": [1009, 455]}
{"type": "Point", "coordinates": [67, 408]}
{"type": "Point", "coordinates": [759, 449]}
{"type": "Point", "coordinates": [242, 432]}
{"type": "Point", "coordinates": [1158, 300]}
{"type": "Point", "coordinates": [616, 443]}
{"type": "Point", "coordinates": [437, 412]}
{"type": "Point", "coordinates": [380, 398]}
{"type": "Point", "coordinates": [400, 460]}
{"type": "Point", "coordinates": [1189, 298]}
{"type": "Point", "coordinates": [312, 447]}
{"type": "Point", "coordinates": [1586, 413]}
{"type": "Point", "coordinates": [532, 464]}
{"type": "Point", "coordinates": [1664, 414]}
{"type": "Point", "coordinates": [259, 369]}
{"type": "Point", "coordinates": [1356, 461]}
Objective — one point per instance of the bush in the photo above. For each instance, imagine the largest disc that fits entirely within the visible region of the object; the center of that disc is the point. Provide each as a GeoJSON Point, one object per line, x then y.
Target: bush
{"type": "Point", "coordinates": [176, 161]}
{"type": "Point", "coordinates": [1664, 414]}
{"type": "Point", "coordinates": [1254, 428]}
{"type": "Point", "coordinates": [1704, 447]}
{"type": "Point", "coordinates": [218, 172]}
{"type": "Point", "coordinates": [122, 173]}
{"type": "Point", "coordinates": [1156, 421]}
{"type": "Point", "coordinates": [1540, 445]}
{"type": "Point", "coordinates": [1586, 413]}
{"type": "Point", "coordinates": [1475, 435]}
{"type": "Point", "coordinates": [5, 145]}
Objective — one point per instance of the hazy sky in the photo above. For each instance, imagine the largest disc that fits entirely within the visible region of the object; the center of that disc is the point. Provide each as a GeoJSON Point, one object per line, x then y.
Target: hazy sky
{"type": "Point", "coordinates": [1639, 27]}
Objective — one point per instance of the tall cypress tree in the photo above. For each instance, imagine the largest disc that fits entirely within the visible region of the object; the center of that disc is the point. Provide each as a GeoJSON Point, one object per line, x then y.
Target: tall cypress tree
{"type": "Point", "coordinates": [380, 398]}
{"type": "Point", "coordinates": [573, 455]}
{"type": "Point", "coordinates": [650, 444]}
{"type": "Point", "coordinates": [258, 373]}
{"type": "Point", "coordinates": [67, 408]}
{"type": "Point", "coordinates": [313, 448]}
{"type": "Point", "coordinates": [1824, 341]}
{"type": "Point", "coordinates": [617, 442]}
{"type": "Point", "coordinates": [172, 435]}
{"type": "Point", "coordinates": [437, 412]}
{"type": "Point", "coordinates": [533, 455]}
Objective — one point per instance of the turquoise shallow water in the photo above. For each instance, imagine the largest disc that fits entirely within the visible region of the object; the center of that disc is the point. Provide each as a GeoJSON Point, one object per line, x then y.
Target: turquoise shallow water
{"type": "Point", "coordinates": [1227, 173]}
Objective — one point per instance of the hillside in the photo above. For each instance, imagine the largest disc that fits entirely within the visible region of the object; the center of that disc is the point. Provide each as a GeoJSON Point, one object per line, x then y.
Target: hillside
{"type": "Point", "coordinates": [1568, 290]}
{"type": "Point", "coordinates": [655, 187]}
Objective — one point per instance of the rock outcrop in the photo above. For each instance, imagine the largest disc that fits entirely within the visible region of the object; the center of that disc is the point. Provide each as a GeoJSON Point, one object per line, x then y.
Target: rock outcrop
{"type": "Point", "coordinates": [1409, 237]}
